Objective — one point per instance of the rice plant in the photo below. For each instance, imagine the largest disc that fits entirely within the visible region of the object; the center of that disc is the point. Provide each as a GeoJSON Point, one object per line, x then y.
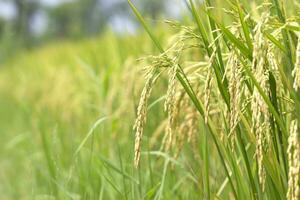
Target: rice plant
{"type": "Point", "coordinates": [202, 108]}
{"type": "Point", "coordinates": [235, 68]}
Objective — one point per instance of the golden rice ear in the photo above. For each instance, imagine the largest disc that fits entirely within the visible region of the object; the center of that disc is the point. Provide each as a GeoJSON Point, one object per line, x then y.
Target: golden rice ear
{"type": "Point", "coordinates": [167, 60]}
{"type": "Point", "coordinates": [170, 106]}
{"type": "Point", "coordinates": [208, 85]}
{"type": "Point", "coordinates": [235, 91]}
{"type": "Point", "coordinates": [142, 116]}
{"type": "Point", "coordinates": [260, 115]}
{"type": "Point", "coordinates": [296, 70]}
{"type": "Point", "coordinates": [293, 152]}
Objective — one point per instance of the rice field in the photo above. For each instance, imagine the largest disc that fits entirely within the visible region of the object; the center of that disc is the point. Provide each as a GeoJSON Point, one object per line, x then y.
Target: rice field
{"type": "Point", "coordinates": [207, 107]}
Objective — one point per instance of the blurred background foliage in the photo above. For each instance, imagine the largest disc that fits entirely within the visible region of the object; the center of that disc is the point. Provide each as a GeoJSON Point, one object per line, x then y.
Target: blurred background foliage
{"type": "Point", "coordinates": [64, 65]}
{"type": "Point", "coordinates": [29, 23]}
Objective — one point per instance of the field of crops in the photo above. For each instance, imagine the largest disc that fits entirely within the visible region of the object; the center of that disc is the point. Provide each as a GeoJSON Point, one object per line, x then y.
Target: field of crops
{"type": "Point", "coordinates": [203, 108]}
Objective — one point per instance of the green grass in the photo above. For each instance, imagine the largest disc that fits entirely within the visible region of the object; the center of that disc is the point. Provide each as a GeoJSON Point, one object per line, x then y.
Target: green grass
{"type": "Point", "coordinates": [67, 111]}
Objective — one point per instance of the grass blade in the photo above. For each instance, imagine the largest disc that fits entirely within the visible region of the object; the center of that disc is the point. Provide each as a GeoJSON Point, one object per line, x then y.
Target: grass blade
{"type": "Point", "coordinates": [91, 131]}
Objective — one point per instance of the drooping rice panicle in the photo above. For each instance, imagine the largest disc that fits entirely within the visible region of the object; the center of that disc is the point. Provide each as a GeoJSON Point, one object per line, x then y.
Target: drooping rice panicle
{"type": "Point", "coordinates": [296, 70]}
{"type": "Point", "coordinates": [167, 60]}
{"type": "Point", "coordinates": [170, 106]}
{"type": "Point", "coordinates": [260, 115]}
{"type": "Point", "coordinates": [234, 72]}
{"type": "Point", "coordinates": [293, 152]}
{"type": "Point", "coordinates": [142, 115]}
{"type": "Point", "coordinates": [208, 85]}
